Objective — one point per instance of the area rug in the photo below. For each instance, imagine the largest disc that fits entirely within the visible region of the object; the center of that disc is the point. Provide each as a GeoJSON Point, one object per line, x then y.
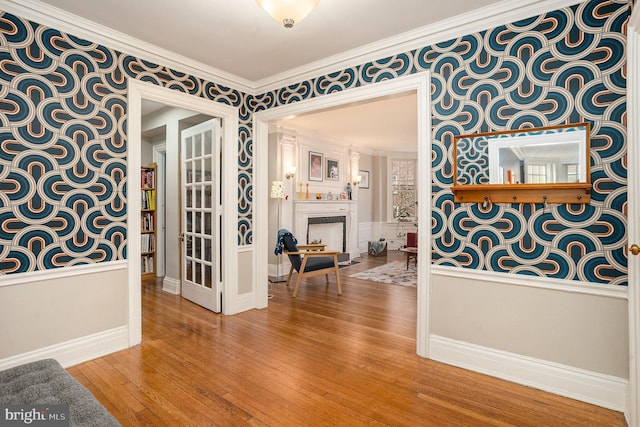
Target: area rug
{"type": "Point", "coordinates": [394, 273]}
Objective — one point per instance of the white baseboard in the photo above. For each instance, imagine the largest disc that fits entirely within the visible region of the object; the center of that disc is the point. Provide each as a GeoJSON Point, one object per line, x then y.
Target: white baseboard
{"type": "Point", "coordinates": [246, 302]}
{"type": "Point", "coordinates": [76, 351]}
{"type": "Point", "coordinates": [171, 285]}
{"type": "Point", "coordinates": [591, 387]}
{"type": "Point", "coordinates": [282, 270]}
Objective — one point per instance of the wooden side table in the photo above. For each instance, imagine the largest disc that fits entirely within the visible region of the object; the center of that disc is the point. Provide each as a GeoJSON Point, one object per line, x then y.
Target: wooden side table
{"type": "Point", "coordinates": [412, 254]}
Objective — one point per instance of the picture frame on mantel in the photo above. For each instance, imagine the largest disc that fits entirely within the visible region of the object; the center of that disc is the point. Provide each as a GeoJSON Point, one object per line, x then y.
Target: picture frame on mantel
{"type": "Point", "coordinates": [364, 182]}
{"type": "Point", "coordinates": [316, 161]}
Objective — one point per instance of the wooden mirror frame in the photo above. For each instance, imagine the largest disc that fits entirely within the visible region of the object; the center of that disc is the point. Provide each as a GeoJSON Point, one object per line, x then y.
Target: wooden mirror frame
{"type": "Point", "coordinates": [566, 192]}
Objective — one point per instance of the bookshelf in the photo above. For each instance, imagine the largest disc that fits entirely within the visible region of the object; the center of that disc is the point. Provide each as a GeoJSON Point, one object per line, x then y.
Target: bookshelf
{"type": "Point", "coordinates": [148, 221]}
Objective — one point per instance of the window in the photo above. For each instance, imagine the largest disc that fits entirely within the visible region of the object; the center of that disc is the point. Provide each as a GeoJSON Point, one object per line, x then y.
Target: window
{"type": "Point", "coordinates": [536, 174]}
{"type": "Point", "coordinates": [572, 173]}
{"type": "Point", "coordinates": [403, 189]}
{"type": "Point", "coordinates": [542, 173]}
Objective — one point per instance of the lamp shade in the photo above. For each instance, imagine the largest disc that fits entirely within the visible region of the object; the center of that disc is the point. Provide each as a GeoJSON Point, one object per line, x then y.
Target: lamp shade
{"type": "Point", "coordinates": [288, 12]}
{"type": "Point", "coordinates": [277, 190]}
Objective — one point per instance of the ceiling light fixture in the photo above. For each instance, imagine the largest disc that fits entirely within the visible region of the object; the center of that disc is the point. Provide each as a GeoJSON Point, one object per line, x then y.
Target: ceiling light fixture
{"type": "Point", "coordinates": [288, 12]}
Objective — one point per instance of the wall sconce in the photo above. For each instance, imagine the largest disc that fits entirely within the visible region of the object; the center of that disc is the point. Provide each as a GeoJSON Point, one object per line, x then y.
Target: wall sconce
{"type": "Point", "coordinates": [357, 179]}
{"type": "Point", "coordinates": [290, 172]}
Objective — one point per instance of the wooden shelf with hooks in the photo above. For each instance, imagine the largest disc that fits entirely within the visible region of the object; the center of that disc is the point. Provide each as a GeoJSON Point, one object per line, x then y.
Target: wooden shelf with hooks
{"type": "Point", "coordinates": [571, 193]}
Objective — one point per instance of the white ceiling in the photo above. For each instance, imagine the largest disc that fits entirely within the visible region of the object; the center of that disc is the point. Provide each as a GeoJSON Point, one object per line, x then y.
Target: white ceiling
{"type": "Point", "coordinates": [238, 37]}
{"type": "Point", "coordinates": [239, 41]}
{"type": "Point", "coordinates": [389, 124]}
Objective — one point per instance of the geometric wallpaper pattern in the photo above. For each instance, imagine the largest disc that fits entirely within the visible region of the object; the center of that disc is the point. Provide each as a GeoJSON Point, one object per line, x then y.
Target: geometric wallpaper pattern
{"type": "Point", "coordinates": [564, 67]}
{"type": "Point", "coordinates": [62, 150]}
{"type": "Point", "coordinates": [63, 140]}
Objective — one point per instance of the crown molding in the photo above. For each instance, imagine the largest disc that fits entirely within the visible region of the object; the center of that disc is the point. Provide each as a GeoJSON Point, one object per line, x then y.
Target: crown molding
{"type": "Point", "coordinates": [461, 25]}
{"type": "Point", "coordinates": [59, 19]}
{"type": "Point", "coordinates": [482, 19]}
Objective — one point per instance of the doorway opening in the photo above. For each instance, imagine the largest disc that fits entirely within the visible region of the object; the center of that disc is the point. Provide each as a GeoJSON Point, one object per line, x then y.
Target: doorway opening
{"type": "Point", "coordinates": [139, 91]}
{"type": "Point", "coordinates": [418, 83]}
{"type": "Point", "coordinates": [161, 126]}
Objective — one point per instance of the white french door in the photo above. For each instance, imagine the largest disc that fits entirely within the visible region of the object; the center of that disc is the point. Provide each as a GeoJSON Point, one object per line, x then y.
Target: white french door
{"type": "Point", "coordinates": [201, 214]}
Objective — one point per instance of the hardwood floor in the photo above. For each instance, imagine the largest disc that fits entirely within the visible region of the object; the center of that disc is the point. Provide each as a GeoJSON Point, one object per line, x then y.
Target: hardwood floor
{"type": "Point", "coordinates": [317, 360]}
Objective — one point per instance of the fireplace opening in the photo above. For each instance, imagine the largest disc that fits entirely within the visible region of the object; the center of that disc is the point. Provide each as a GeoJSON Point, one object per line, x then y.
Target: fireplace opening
{"type": "Point", "coordinates": [330, 230]}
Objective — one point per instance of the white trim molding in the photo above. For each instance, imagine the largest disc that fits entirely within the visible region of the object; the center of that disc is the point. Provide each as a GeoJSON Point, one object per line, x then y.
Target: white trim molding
{"type": "Point", "coordinates": [246, 301]}
{"type": "Point", "coordinates": [159, 158]}
{"type": "Point", "coordinates": [487, 17]}
{"type": "Point", "coordinates": [591, 387]}
{"type": "Point", "coordinates": [75, 351]}
{"type": "Point", "coordinates": [137, 91]}
{"type": "Point", "coordinates": [171, 285]}
{"type": "Point", "coordinates": [573, 286]}
{"type": "Point", "coordinates": [62, 272]}
{"type": "Point", "coordinates": [419, 83]}
{"type": "Point", "coordinates": [633, 226]}
{"type": "Point", "coordinates": [59, 19]}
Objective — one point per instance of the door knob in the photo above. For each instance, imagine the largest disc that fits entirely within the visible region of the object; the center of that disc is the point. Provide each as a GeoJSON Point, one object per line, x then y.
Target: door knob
{"type": "Point", "coordinates": [635, 249]}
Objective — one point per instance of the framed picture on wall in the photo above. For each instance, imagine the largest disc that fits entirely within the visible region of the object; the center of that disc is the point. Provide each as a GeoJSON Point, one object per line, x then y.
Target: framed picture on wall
{"type": "Point", "coordinates": [364, 183]}
{"type": "Point", "coordinates": [315, 166]}
{"type": "Point", "coordinates": [333, 172]}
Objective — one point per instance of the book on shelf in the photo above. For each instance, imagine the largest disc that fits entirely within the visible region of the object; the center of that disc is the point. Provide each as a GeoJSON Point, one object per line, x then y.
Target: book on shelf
{"type": "Point", "coordinates": [147, 264]}
{"type": "Point", "coordinates": [147, 243]}
{"type": "Point", "coordinates": [148, 178]}
{"type": "Point", "coordinates": [147, 221]}
{"type": "Point", "coordinates": [148, 199]}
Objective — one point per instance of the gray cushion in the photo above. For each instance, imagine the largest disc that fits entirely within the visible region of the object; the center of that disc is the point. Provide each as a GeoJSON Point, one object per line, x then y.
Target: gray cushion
{"type": "Point", "coordinates": [46, 382]}
{"type": "Point", "coordinates": [318, 263]}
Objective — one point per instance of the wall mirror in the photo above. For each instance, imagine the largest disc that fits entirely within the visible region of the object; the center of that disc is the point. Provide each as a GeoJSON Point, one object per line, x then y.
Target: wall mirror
{"type": "Point", "coordinates": [540, 165]}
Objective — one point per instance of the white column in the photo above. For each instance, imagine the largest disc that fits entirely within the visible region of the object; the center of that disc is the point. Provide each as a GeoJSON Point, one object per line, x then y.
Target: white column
{"type": "Point", "coordinates": [288, 156]}
{"type": "Point", "coordinates": [354, 167]}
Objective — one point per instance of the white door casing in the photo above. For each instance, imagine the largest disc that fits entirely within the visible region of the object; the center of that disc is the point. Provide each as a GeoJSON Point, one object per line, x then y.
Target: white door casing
{"type": "Point", "coordinates": [159, 158]}
{"type": "Point", "coordinates": [201, 211]}
{"type": "Point", "coordinates": [415, 83]}
{"type": "Point", "coordinates": [633, 218]}
{"type": "Point", "coordinates": [137, 91]}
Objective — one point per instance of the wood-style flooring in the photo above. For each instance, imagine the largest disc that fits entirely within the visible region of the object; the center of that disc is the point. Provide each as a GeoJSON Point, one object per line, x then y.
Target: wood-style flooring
{"type": "Point", "coordinates": [317, 360]}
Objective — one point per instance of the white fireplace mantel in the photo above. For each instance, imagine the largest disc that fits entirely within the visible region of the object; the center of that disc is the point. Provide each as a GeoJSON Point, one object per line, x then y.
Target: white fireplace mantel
{"type": "Point", "coordinates": [305, 209]}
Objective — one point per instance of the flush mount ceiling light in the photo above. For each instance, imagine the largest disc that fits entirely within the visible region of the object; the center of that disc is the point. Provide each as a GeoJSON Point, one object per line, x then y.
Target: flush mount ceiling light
{"type": "Point", "coordinates": [288, 12]}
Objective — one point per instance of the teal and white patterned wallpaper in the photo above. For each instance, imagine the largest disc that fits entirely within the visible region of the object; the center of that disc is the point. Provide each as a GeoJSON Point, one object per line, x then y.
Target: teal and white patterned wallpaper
{"type": "Point", "coordinates": [63, 143]}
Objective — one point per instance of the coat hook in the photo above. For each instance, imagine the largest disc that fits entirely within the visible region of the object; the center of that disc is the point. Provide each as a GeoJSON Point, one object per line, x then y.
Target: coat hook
{"type": "Point", "coordinates": [544, 201]}
{"type": "Point", "coordinates": [486, 202]}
